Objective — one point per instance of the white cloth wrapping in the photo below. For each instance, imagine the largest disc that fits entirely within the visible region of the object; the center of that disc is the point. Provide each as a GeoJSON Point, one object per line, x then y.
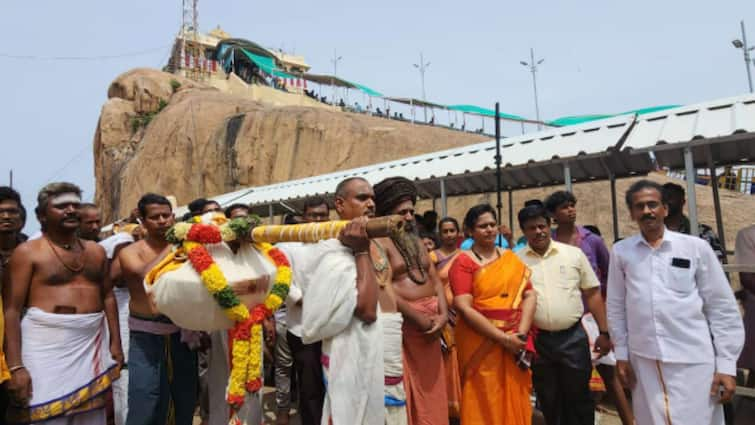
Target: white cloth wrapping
{"type": "Point", "coordinates": [120, 387]}
{"type": "Point", "coordinates": [326, 274]}
{"type": "Point", "coordinates": [674, 393]}
{"type": "Point", "coordinates": [217, 384]}
{"type": "Point", "coordinates": [114, 241]}
{"type": "Point", "coordinates": [593, 331]}
{"type": "Point", "coordinates": [181, 295]}
{"type": "Point", "coordinates": [65, 353]}
{"type": "Point", "coordinates": [393, 367]}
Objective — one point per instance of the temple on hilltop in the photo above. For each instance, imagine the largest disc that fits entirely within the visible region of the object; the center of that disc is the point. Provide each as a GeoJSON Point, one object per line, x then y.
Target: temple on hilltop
{"type": "Point", "coordinates": [239, 66]}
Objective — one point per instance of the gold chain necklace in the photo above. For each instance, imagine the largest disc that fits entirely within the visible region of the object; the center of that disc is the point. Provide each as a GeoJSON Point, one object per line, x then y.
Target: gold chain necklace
{"type": "Point", "coordinates": [81, 260]}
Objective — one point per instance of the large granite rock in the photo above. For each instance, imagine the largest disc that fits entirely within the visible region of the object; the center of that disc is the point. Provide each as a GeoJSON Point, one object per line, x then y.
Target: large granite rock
{"type": "Point", "coordinates": [204, 142]}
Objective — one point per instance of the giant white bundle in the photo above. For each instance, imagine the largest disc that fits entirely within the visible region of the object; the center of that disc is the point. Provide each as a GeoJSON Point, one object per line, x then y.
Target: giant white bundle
{"type": "Point", "coordinates": [181, 295]}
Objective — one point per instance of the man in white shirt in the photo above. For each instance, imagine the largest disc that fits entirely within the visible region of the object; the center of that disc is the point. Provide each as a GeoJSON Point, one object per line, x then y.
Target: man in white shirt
{"type": "Point", "coordinates": [673, 317]}
{"type": "Point", "coordinates": [339, 286]}
{"type": "Point", "coordinates": [305, 358]}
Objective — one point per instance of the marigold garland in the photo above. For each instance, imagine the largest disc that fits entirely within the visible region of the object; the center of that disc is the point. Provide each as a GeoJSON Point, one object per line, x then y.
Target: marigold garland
{"type": "Point", "coordinates": [246, 335]}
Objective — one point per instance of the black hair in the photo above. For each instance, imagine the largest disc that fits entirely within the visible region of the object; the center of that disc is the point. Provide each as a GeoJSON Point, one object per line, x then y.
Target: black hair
{"type": "Point", "coordinates": [474, 214]}
{"type": "Point", "coordinates": [673, 188]}
{"type": "Point", "coordinates": [533, 202]}
{"type": "Point", "coordinates": [152, 199]}
{"type": "Point", "coordinates": [7, 193]}
{"type": "Point", "coordinates": [229, 209]}
{"type": "Point", "coordinates": [528, 213]}
{"type": "Point", "coordinates": [431, 236]}
{"type": "Point", "coordinates": [642, 185]}
{"type": "Point", "coordinates": [556, 199]}
{"type": "Point", "coordinates": [195, 206]}
{"type": "Point", "coordinates": [315, 201]}
{"type": "Point", "coordinates": [449, 220]}
{"type": "Point", "coordinates": [290, 219]}
{"type": "Point", "coordinates": [593, 229]}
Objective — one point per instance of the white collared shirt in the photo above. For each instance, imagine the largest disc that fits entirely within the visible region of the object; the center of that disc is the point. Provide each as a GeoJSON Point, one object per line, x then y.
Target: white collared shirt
{"type": "Point", "coordinates": [672, 303]}
{"type": "Point", "coordinates": [559, 276]}
{"type": "Point", "coordinates": [293, 312]}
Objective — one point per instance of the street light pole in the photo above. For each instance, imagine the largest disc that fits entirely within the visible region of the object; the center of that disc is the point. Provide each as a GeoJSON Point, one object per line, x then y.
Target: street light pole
{"type": "Point", "coordinates": [422, 67]}
{"type": "Point", "coordinates": [335, 60]}
{"type": "Point", "coordinates": [742, 44]}
{"type": "Point", "coordinates": [532, 65]}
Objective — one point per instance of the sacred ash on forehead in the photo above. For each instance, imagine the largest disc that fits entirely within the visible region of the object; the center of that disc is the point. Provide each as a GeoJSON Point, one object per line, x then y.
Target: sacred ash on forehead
{"type": "Point", "coordinates": [65, 198]}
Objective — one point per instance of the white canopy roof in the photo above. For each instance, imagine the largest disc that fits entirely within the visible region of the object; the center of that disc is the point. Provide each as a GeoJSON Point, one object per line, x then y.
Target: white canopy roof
{"type": "Point", "coordinates": [529, 160]}
{"type": "Point", "coordinates": [726, 127]}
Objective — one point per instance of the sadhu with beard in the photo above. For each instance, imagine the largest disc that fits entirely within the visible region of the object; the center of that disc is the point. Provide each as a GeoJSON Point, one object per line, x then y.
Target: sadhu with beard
{"type": "Point", "coordinates": [421, 300]}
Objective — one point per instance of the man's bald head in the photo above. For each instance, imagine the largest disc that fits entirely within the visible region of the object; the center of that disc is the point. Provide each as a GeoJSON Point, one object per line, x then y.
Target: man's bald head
{"type": "Point", "coordinates": [354, 198]}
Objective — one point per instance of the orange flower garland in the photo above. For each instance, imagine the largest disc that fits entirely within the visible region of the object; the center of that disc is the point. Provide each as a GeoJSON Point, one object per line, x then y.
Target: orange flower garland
{"type": "Point", "coordinates": [246, 335]}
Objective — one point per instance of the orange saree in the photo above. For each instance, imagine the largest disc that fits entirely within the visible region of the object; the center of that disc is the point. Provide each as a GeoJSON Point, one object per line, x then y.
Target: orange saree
{"type": "Point", "coordinates": [450, 354]}
{"type": "Point", "coordinates": [494, 389]}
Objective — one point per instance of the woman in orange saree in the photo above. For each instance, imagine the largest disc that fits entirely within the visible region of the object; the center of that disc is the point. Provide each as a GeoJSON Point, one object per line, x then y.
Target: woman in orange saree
{"type": "Point", "coordinates": [443, 257]}
{"type": "Point", "coordinates": [495, 303]}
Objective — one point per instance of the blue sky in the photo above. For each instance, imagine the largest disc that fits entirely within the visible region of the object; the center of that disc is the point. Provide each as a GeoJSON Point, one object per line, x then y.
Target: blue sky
{"type": "Point", "coordinates": [600, 57]}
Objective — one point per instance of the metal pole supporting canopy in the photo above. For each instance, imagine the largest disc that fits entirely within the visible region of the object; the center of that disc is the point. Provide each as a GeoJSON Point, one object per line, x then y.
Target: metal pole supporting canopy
{"type": "Point", "coordinates": [498, 187]}
{"type": "Point", "coordinates": [691, 175]}
{"type": "Point", "coordinates": [443, 199]}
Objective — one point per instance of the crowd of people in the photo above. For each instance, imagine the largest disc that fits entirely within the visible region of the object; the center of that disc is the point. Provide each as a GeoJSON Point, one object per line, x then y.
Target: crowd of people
{"type": "Point", "coordinates": [446, 322]}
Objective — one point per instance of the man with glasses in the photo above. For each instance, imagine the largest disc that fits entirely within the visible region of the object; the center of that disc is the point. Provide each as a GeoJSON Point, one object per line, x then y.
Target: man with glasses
{"type": "Point", "coordinates": [673, 318]}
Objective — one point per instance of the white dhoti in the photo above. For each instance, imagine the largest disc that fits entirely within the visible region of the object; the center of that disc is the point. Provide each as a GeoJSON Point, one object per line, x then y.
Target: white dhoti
{"type": "Point", "coordinates": [71, 369]}
{"type": "Point", "coordinates": [218, 372]}
{"type": "Point", "coordinates": [120, 387]}
{"type": "Point", "coordinates": [393, 368]}
{"type": "Point", "coordinates": [674, 393]}
{"type": "Point", "coordinates": [352, 350]}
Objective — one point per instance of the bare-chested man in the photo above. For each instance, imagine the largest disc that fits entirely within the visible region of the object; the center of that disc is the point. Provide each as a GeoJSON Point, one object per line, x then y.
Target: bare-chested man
{"type": "Point", "coordinates": [162, 368]}
{"type": "Point", "coordinates": [66, 351]}
{"type": "Point", "coordinates": [11, 223]}
{"type": "Point", "coordinates": [356, 198]}
{"type": "Point", "coordinates": [421, 300]}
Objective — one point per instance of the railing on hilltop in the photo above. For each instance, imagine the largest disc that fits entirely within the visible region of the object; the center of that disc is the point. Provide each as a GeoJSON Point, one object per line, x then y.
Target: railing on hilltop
{"type": "Point", "coordinates": [738, 178]}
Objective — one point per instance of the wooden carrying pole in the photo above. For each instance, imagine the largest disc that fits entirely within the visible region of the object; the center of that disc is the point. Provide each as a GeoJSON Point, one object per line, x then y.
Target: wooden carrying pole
{"type": "Point", "coordinates": [313, 232]}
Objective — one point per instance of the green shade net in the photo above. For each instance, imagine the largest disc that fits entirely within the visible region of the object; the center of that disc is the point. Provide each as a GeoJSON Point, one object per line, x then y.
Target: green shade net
{"type": "Point", "coordinates": [368, 91]}
{"type": "Point", "coordinates": [266, 64]}
{"type": "Point", "coordinates": [472, 109]}
{"type": "Point", "coordinates": [579, 119]}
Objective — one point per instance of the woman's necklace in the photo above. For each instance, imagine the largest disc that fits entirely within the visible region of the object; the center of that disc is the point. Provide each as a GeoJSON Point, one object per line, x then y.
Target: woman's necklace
{"type": "Point", "coordinates": [80, 261]}
{"type": "Point", "coordinates": [486, 260]}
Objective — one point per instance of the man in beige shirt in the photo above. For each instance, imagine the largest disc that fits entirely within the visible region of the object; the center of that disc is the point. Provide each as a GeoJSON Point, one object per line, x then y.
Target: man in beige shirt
{"type": "Point", "coordinates": [563, 278]}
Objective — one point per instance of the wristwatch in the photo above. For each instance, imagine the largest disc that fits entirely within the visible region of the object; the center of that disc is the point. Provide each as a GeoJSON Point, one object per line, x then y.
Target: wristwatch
{"type": "Point", "coordinates": [605, 334]}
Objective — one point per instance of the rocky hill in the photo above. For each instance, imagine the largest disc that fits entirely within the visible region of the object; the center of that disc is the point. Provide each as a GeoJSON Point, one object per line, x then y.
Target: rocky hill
{"type": "Point", "coordinates": [162, 133]}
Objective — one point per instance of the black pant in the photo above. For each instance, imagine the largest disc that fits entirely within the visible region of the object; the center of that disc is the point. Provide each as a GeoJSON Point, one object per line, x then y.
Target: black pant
{"type": "Point", "coordinates": [561, 377]}
{"type": "Point", "coordinates": [309, 378]}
